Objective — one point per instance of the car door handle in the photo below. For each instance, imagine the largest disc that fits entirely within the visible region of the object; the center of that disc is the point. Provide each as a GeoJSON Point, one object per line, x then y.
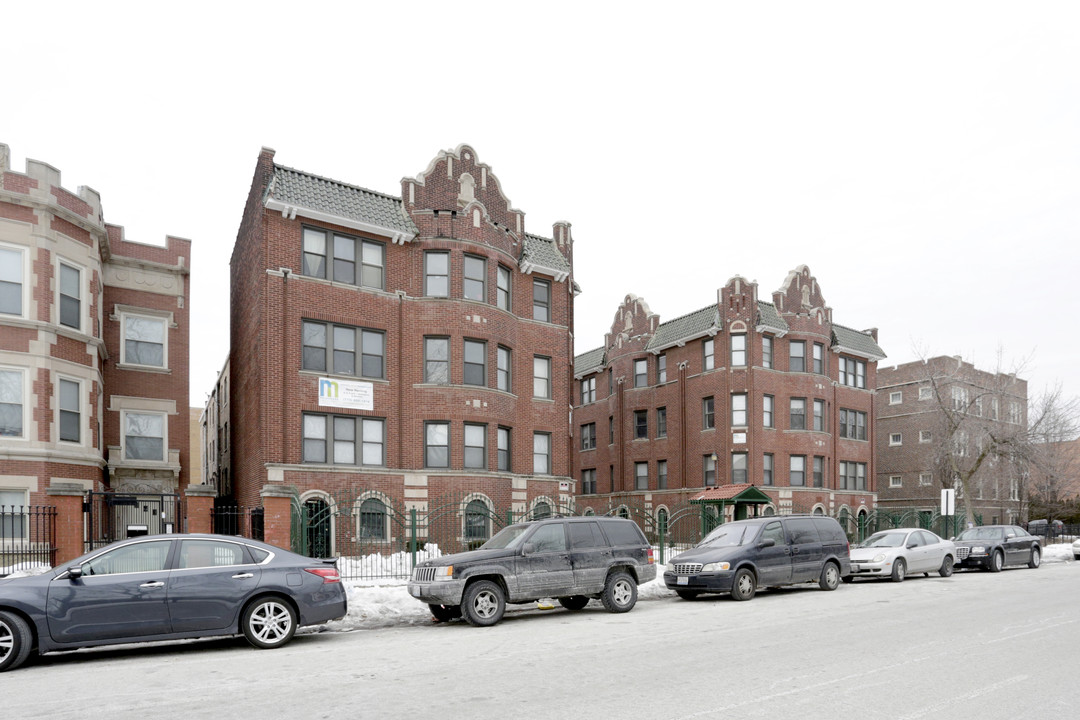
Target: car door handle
{"type": "Point", "coordinates": [154, 584]}
{"type": "Point", "coordinates": [242, 576]}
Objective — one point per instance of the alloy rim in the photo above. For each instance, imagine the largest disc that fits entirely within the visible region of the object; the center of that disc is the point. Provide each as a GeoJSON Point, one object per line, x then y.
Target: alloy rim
{"type": "Point", "coordinates": [271, 623]}
{"type": "Point", "coordinates": [622, 592]}
{"type": "Point", "coordinates": [485, 605]}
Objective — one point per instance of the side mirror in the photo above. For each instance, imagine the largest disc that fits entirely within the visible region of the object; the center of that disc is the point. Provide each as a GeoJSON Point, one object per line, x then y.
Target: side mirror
{"type": "Point", "coordinates": [767, 542]}
{"type": "Point", "coordinates": [529, 548]}
{"type": "Point", "coordinates": [74, 572]}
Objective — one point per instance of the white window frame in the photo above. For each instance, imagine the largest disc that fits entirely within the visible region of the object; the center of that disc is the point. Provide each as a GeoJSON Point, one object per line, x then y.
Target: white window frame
{"type": "Point", "coordinates": [165, 320]}
{"type": "Point", "coordinates": [541, 377]}
{"type": "Point", "coordinates": [896, 481]}
{"type": "Point", "coordinates": [926, 392]}
{"type": "Point", "coordinates": [541, 453]}
{"type": "Point", "coordinates": [896, 439]}
{"type": "Point", "coordinates": [925, 436]}
{"type": "Point", "coordinates": [926, 479]}
{"type": "Point", "coordinates": [61, 261]}
{"type": "Point", "coordinates": [23, 401]}
{"type": "Point", "coordinates": [164, 435]}
{"type": "Point", "coordinates": [896, 397]}
{"type": "Point", "coordinates": [24, 280]}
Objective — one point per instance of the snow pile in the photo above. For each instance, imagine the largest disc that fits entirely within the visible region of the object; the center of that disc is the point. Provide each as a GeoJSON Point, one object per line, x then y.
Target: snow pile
{"type": "Point", "coordinates": [377, 567]}
{"type": "Point", "coordinates": [23, 569]}
{"type": "Point", "coordinates": [1059, 552]}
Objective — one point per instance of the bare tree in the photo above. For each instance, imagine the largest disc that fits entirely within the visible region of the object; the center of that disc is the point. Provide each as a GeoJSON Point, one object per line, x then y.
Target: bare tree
{"type": "Point", "coordinates": [1053, 455]}
{"type": "Point", "coordinates": [981, 442]}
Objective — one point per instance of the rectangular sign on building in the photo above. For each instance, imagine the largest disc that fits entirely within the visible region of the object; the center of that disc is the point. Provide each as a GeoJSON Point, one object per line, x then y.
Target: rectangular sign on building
{"type": "Point", "coordinates": [346, 394]}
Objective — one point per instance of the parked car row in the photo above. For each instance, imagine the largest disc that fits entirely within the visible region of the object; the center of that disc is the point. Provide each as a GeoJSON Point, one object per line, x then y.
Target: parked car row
{"type": "Point", "coordinates": [169, 587]}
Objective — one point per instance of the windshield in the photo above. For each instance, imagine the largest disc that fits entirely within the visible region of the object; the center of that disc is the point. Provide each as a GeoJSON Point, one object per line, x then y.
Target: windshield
{"type": "Point", "coordinates": [885, 539]}
{"type": "Point", "coordinates": [981, 533]}
{"type": "Point", "coordinates": [730, 535]}
{"type": "Point", "coordinates": [508, 537]}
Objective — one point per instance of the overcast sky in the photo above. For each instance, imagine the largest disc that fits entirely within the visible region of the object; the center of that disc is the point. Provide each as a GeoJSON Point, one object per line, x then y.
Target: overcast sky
{"type": "Point", "coordinates": [922, 158]}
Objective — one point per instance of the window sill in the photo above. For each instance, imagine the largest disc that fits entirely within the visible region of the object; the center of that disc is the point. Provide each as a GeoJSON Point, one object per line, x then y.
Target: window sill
{"type": "Point", "coordinates": [144, 368]}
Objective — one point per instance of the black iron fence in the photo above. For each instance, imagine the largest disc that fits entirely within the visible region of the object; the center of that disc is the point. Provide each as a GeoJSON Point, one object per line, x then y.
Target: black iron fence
{"type": "Point", "coordinates": [27, 537]}
{"type": "Point", "coordinates": [238, 520]}
{"type": "Point", "coordinates": [110, 516]}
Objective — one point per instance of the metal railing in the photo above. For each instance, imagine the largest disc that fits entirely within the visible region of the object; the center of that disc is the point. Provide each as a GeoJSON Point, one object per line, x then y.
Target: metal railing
{"type": "Point", "coordinates": [27, 537]}
{"type": "Point", "coordinates": [238, 520]}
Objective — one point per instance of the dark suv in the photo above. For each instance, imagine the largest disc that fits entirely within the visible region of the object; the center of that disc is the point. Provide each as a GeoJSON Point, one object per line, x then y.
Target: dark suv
{"type": "Point", "coordinates": [739, 557]}
{"type": "Point", "coordinates": [572, 559]}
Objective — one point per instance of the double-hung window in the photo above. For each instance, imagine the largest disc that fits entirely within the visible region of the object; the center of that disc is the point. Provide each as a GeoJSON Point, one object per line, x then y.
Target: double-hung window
{"type": "Point", "coordinates": [641, 373]}
{"type": "Point", "coordinates": [588, 436]}
{"type": "Point", "coordinates": [641, 476]}
{"type": "Point", "coordinates": [144, 436]}
{"type": "Point", "coordinates": [767, 411]}
{"type": "Point", "coordinates": [738, 468]}
{"type": "Point", "coordinates": [437, 444]}
{"type": "Point", "coordinates": [661, 369]}
{"type": "Point", "coordinates": [738, 350]}
{"type": "Point", "coordinates": [350, 260]}
{"type": "Point", "coordinates": [710, 470]}
{"type": "Point", "coordinates": [641, 424]}
{"type": "Point", "coordinates": [766, 351]}
{"type": "Point", "coordinates": [798, 414]}
{"type": "Point", "coordinates": [12, 394]}
{"type": "Point", "coordinates": [767, 469]}
{"type": "Point", "coordinates": [738, 410]}
{"type": "Point", "coordinates": [475, 446]}
{"type": "Point", "coordinates": [12, 280]}
{"type": "Point", "coordinates": [541, 453]}
{"type": "Point", "coordinates": [475, 363]}
{"type": "Point", "coordinates": [502, 369]}
{"type": "Point", "coordinates": [661, 474]}
{"type": "Point", "coordinates": [13, 519]}
{"type": "Point", "coordinates": [708, 416]}
{"type": "Point", "coordinates": [502, 288]}
{"type": "Point", "coordinates": [541, 377]}
{"type": "Point", "coordinates": [437, 360]}
{"type": "Point", "coordinates": [661, 422]}
{"type": "Point", "coordinates": [588, 390]}
{"type": "Point", "coordinates": [70, 296]}
{"type": "Point", "coordinates": [475, 282]}
{"type": "Point", "coordinates": [144, 340]}
{"type": "Point", "coordinates": [819, 358]}
{"type": "Point", "coordinates": [503, 448]}
{"type": "Point", "coordinates": [797, 356]}
{"type": "Point", "coordinates": [541, 300]}
{"type": "Point", "coordinates": [437, 274]}
{"type": "Point", "coordinates": [70, 411]}
{"type": "Point", "coordinates": [797, 470]}
{"type": "Point", "coordinates": [708, 349]}
{"type": "Point", "coordinates": [343, 345]}
{"type": "Point", "coordinates": [819, 415]}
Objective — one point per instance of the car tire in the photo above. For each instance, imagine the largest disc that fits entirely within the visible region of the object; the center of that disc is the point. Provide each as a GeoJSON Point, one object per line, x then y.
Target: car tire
{"type": "Point", "coordinates": [1036, 558]}
{"type": "Point", "coordinates": [899, 570]}
{"type": "Point", "coordinates": [16, 641]}
{"type": "Point", "coordinates": [743, 585]}
{"type": "Point", "coordinates": [269, 622]}
{"type": "Point", "coordinates": [574, 602]}
{"type": "Point", "coordinates": [997, 561]}
{"type": "Point", "coordinates": [687, 594]}
{"type": "Point", "coordinates": [946, 569]}
{"type": "Point", "coordinates": [620, 593]}
{"type": "Point", "coordinates": [830, 576]}
{"type": "Point", "coordinates": [445, 613]}
{"type": "Point", "coordinates": [483, 604]}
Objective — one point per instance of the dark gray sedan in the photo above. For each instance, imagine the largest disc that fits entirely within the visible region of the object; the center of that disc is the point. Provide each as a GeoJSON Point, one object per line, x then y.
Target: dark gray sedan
{"type": "Point", "coordinates": [167, 587]}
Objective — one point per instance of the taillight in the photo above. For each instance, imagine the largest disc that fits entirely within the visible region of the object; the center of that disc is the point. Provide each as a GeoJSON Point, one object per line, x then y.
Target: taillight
{"type": "Point", "coordinates": [651, 561]}
{"type": "Point", "coordinates": [329, 575]}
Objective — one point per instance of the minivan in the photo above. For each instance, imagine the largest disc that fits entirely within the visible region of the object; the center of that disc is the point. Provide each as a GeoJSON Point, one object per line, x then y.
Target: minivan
{"type": "Point", "coordinates": [740, 557]}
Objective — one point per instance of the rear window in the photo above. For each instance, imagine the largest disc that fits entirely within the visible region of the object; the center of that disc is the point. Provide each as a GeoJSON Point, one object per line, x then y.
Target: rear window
{"type": "Point", "coordinates": [623, 533]}
{"type": "Point", "coordinates": [829, 530]}
{"type": "Point", "coordinates": [586, 535]}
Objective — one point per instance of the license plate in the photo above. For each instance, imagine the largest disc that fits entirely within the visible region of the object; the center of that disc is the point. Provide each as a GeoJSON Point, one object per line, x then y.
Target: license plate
{"type": "Point", "coordinates": [682, 581]}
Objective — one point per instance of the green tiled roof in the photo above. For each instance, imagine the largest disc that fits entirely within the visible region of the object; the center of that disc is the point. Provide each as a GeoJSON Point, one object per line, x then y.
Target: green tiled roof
{"type": "Point", "coordinates": [768, 317]}
{"type": "Point", "coordinates": [541, 254]}
{"type": "Point", "coordinates": [681, 328]}
{"type": "Point", "coordinates": [854, 341]}
{"type": "Point", "coordinates": [588, 361]}
{"type": "Point", "coordinates": [330, 197]}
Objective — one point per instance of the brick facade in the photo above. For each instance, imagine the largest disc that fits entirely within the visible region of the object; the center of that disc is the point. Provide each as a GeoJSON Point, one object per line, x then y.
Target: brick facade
{"type": "Point", "coordinates": [911, 471]}
{"type": "Point", "coordinates": [69, 282]}
{"type": "Point", "coordinates": [720, 353]}
{"type": "Point", "coordinates": [285, 303]}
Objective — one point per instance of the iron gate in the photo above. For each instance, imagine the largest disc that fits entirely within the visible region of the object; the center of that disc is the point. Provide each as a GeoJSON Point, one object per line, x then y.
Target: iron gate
{"type": "Point", "coordinates": [116, 516]}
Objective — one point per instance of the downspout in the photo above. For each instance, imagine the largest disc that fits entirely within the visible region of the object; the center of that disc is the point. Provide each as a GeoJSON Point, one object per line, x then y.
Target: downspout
{"type": "Point", "coordinates": [400, 380]}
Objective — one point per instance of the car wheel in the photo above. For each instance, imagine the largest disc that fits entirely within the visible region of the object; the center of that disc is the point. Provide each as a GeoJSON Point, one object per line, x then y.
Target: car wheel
{"type": "Point", "coordinates": [483, 603]}
{"type": "Point", "coordinates": [445, 613]}
{"type": "Point", "coordinates": [269, 623]}
{"type": "Point", "coordinates": [946, 569]}
{"type": "Point", "coordinates": [620, 593]}
{"type": "Point", "coordinates": [744, 585]}
{"type": "Point", "coordinates": [830, 577]}
{"type": "Point", "coordinates": [1036, 558]}
{"type": "Point", "coordinates": [687, 594]}
{"type": "Point", "coordinates": [899, 570]}
{"type": "Point", "coordinates": [997, 561]}
{"type": "Point", "coordinates": [15, 641]}
{"type": "Point", "coordinates": [574, 602]}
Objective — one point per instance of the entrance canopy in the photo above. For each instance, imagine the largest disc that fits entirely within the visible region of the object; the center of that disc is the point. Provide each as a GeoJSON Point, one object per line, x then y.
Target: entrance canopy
{"type": "Point", "coordinates": [743, 497]}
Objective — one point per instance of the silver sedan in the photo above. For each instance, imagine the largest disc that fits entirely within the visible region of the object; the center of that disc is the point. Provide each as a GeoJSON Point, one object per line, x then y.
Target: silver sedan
{"type": "Point", "coordinates": [898, 553]}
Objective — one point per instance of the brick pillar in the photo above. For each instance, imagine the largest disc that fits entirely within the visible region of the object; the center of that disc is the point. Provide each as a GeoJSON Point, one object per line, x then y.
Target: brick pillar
{"type": "Point", "coordinates": [199, 502]}
{"type": "Point", "coordinates": [277, 503]}
{"type": "Point", "coordinates": [67, 498]}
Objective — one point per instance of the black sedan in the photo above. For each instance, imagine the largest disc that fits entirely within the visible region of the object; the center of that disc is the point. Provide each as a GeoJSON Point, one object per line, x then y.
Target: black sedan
{"type": "Point", "coordinates": [992, 547]}
{"type": "Point", "coordinates": [167, 587]}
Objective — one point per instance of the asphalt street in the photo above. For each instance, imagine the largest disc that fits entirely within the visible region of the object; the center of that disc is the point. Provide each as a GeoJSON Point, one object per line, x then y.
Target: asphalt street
{"type": "Point", "coordinates": [973, 645]}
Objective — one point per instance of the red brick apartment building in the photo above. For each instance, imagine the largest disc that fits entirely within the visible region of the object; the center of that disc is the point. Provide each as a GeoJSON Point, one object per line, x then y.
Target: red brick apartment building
{"type": "Point", "coordinates": [743, 391]}
{"type": "Point", "coordinates": [390, 350]}
{"type": "Point", "coordinates": [93, 349]}
{"type": "Point", "coordinates": [914, 439]}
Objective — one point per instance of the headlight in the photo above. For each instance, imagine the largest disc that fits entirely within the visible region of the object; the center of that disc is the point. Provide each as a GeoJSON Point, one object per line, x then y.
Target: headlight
{"type": "Point", "coordinates": [880, 557]}
{"type": "Point", "coordinates": [671, 566]}
{"type": "Point", "coordinates": [444, 573]}
{"type": "Point", "coordinates": [715, 567]}
{"type": "Point", "coordinates": [978, 549]}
